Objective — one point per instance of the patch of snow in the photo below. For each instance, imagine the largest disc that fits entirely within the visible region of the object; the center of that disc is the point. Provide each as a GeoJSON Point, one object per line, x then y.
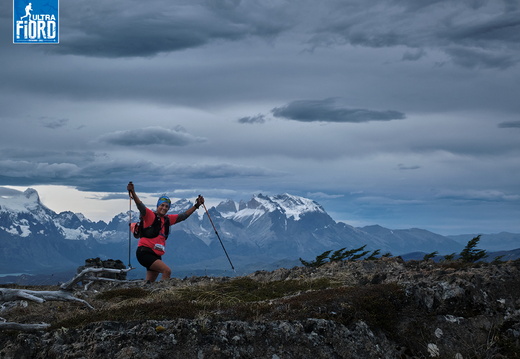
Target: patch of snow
{"type": "Point", "coordinates": [74, 234]}
{"type": "Point", "coordinates": [21, 228]}
{"type": "Point", "coordinates": [251, 214]}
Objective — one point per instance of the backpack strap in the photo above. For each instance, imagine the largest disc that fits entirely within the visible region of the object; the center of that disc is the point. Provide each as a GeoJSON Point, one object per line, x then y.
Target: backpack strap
{"type": "Point", "coordinates": [153, 230]}
{"type": "Point", "coordinates": [166, 226]}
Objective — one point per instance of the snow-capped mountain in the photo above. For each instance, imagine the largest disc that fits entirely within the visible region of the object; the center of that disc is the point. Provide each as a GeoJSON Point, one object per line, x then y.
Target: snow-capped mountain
{"type": "Point", "coordinates": [24, 215]}
{"type": "Point", "coordinates": [33, 236]}
{"type": "Point", "coordinates": [263, 230]}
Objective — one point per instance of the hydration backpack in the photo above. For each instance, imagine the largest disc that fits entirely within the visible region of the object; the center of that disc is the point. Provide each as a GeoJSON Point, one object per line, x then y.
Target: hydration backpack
{"type": "Point", "coordinates": [152, 231]}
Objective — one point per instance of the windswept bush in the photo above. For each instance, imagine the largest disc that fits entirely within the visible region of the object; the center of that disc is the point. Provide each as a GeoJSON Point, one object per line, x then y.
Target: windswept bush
{"type": "Point", "coordinates": [343, 255]}
{"type": "Point", "coordinates": [470, 254]}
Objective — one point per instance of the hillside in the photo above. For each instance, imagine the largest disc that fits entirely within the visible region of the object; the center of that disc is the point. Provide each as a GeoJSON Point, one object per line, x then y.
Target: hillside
{"type": "Point", "coordinates": [384, 308]}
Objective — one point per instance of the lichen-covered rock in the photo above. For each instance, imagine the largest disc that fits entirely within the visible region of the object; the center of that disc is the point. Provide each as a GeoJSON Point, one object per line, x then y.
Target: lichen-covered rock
{"type": "Point", "coordinates": [312, 338]}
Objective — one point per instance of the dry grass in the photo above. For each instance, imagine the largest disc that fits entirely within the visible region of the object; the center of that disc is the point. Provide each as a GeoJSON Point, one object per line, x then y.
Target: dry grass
{"type": "Point", "coordinates": [249, 300]}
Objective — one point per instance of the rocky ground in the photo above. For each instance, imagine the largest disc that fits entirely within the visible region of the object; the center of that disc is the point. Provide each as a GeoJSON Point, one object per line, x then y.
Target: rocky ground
{"type": "Point", "coordinates": [384, 308]}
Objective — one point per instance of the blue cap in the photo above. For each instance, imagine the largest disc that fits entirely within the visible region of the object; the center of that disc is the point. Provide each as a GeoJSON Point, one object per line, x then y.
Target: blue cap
{"type": "Point", "coordinates": [163, 199]}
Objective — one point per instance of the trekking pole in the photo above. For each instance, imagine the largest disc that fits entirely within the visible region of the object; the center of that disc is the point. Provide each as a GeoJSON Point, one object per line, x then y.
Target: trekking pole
{"type": "Point", "coordinates": [222, 244]}
{"type": "Point", "coordinates": [129, 229]}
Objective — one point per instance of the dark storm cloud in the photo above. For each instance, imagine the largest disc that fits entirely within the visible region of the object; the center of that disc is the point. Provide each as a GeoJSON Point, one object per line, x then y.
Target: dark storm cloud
{"type": "Point", "coordinates": [330, 110]}
{"type": "Point", "coordinates": [150, 136]}
{"type": "Point", "coordinates": [133, 28]}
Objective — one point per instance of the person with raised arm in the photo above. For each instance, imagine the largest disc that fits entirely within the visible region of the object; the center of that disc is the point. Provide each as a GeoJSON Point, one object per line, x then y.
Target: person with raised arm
{"type": "Point", "coordinates": [153, 233]}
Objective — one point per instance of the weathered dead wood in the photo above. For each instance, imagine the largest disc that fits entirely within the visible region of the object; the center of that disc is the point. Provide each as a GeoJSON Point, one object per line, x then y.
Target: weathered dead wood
{"type": "Point", "coordinates": [86, 275]}
{"type": "Point", "coordinates": [9, 295]}
{"type": "Point", "coordinates": [63, 294]}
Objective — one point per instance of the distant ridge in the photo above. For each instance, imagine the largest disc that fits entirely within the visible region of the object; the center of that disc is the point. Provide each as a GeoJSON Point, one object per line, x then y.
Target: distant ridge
{"type": "Point", "coordinates": [256, 233]}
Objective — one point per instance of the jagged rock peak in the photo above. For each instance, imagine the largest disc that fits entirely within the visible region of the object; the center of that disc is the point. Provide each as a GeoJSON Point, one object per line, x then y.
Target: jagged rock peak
{"type": "Point", "coordinates": [227, 206]}
{"type": "Point", "coordinates": [32, 195]}
{"type": "Point", "coordinates": [180, 205]}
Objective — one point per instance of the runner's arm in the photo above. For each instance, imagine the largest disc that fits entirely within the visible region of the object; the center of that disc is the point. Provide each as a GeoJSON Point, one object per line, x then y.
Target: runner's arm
{"type": "Point", "coordinates": [182, 216]}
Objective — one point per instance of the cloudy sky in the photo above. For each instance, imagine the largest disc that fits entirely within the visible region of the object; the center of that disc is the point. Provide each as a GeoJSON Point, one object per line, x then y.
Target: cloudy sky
{"type": "Point", "coordinates": [403, 113]}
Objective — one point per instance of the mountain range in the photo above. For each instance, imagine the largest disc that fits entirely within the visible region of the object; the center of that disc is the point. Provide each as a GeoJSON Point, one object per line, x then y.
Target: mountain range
{"type": "Point", "coordinates": [263, 233]}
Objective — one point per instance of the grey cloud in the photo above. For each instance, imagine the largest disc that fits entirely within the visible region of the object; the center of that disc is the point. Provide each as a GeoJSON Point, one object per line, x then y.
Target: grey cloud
{"type": "Point", "coordinates": [511, 124]}
{"type": "Point", "coordinates": [150, 136]}
{"type": "Point", "coordinates": [111, 196]}
{"type": "Point", "coordinates": [252, 119]}
{"type": "Point", "coordinates": [112, 176]}
{"type": "Point", "coordinates": [32, 166]}
{"type": "Point", "coordinates": [134, 28]}
{"type": "Point", "coordinates": [105, 174]}
{"type": "Point", "coordinates": [414, 55]}
{"type": "Point", "coordinates": [321, 195]}
{"type": "Point", "coordinates": [4, 191]}
{"type": "Point", "coordinates": [27, 169]}
{"type": "Point", "coordinates": [50, 156]}
{"type": "Point", "coordinates": [403, 167]}
{"type": "Point", "coordinates": [220, 170]}
{"type": "Point", "coordinates": [502, 28]}
{"type": "Point", "coordinates": [330, 110]}
{"type": "Point", "coordinates": [458, 29]}
{"type": "Point", "coordinates": [490, 195]}
{"type": "Point", "coordinates": [477, 58]}
{"type": "Point", "coordinates": [53, 123]}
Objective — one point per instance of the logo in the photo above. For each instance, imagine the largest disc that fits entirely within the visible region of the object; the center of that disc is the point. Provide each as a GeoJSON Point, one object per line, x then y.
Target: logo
{"type": "Point", "coordinates": [35, 21]}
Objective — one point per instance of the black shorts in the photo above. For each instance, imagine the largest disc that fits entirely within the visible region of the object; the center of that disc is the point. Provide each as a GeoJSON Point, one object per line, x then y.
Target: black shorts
{"type": "Point", "coordinates": [146, 256]}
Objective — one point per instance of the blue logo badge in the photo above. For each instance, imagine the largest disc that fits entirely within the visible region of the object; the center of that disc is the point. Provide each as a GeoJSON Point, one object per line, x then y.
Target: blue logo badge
{"type": "Point", "coordinates": [35, 21]}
